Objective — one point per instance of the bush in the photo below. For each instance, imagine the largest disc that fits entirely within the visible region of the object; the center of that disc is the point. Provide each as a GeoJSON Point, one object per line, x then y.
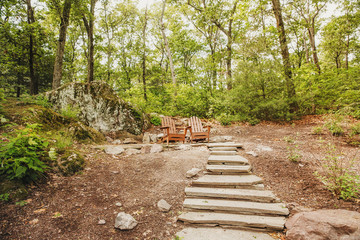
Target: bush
{"type": "Point", "coordinates": [24, 155]}
{"type": "Point", "coordinates": [355, 129]}
{"type": "Point", "coordinates": [333, 124]}
{"type": "Point", "coordinates": [155, 120]}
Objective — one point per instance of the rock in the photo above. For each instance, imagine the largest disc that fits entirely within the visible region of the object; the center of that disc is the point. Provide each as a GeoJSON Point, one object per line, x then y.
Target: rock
{"type": "Point", "coordinates": [70, 163]}
{"type": "Point", "coordinates": [132, 151]}
{"type": "Point", "coordinates": [117, 141]}
{"type": "Point", "coordinates": [130, 141]}
{"type": "Point", "coordinates": [146, 138]}
{"type": "Point", "coordinates": [145, 149]}
{"type": "Point", "coordinates": [154, 138]}
{"type": "Point", "coordinates": [118, 204]}
{"type": "Point", "coordinates": [98, 105]}
{"type": "Point", "coordinates": [156, 148]}
{"type": "Point", "coordinates": [252, 153]}
{"type": "Point", "coordinates": [114, 150]}
{"type": "Point", "coordinates": [183, 147]}
{"type": "Point", "coordinates": [160, 135]}
{"type": "Point", "coordinates": [163, 206]}
{"type": "Point", "coordinates": [324, 224]}
{"type": "Point", "coordinates": [101, 222]}
{"type": "Point", "coordinates": [221, 138]}
{"type": "Point", "coordinates": [125, 221]}
{"type": "Point", "coordinates": [264, 148]}
{"type": "Point", "coordinates": [109, 139]}
{"type": "Point", "coordinates": [193, 172]}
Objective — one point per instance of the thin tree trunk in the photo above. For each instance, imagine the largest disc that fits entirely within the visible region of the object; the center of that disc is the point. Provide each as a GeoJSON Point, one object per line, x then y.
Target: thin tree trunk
{"type": "Point", "coordinates": [162, 28]}
{"type": "Point", "coordinates": [89, 25]}
{"type": "Point", "coordinates": [311, 32]}
{"type": "Point", "coordinates": [61, 44]}
{"type": "Point", "coordinates": [290, 88]}
{"type": "Point", "coordinates": [34, 84]}
{"type": "Point", "coordinates": [144, 55]}
{"type": "Point", "coordinates": [306, 49]}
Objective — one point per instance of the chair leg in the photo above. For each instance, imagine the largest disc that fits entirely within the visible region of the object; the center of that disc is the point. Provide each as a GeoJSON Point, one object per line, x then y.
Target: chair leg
{"type": "Point", "coordinates": [167, 141]}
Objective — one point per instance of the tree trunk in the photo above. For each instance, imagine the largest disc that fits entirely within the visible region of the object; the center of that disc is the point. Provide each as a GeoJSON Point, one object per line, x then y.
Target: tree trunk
{"type": "Point", "coordinates": [34, 84]}
{"type": "Point", "coordinates": [144, 55]}
{"type": "Point", "coordinates": [89, 25]}
{"type": "Point", "coordinates": [306, 49]}
{"type": "Point", "coordinates": [290, 88]}
{"type": "Point", "coordinates": [228, 62]}
{"type": "Point", "coordinates": [64, 23]}
{"type": "Point", "coordinates": [311, 32]}
{"type": "Point", "coordinates": [162, 28]}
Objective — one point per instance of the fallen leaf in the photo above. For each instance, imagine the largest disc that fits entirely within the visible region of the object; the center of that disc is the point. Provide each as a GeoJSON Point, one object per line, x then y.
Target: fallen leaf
{"type": "Point", "coordinates": [57, 215]}
{"type": "Point", "coordinates": [34, 221]}
{"type": "Point", "coordinates": [41, 210]}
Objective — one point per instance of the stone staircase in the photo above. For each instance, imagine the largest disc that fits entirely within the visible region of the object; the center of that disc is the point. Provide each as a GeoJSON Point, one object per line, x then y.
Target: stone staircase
{"type": "Point", "coordinates": [229, 202]}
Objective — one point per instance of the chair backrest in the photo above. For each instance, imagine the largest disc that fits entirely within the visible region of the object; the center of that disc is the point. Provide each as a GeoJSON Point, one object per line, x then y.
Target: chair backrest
{"type": "Point", "coordinates": [168, 122]}
{"type": "Point", "coordinates": [196, 125]}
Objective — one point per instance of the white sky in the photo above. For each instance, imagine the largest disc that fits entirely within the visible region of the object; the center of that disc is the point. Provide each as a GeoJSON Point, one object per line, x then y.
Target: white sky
{"type": "Point", "coordinates": [143, 3]}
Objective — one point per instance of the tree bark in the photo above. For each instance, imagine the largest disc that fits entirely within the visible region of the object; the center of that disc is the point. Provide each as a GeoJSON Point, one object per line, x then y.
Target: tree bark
{"type": "Point", "coordinates": [162, 28]}
{"type": "Point", "coordinates": [64, 23]}
{"type": "Point", "coordinates": [89, 26]}
{"type": "Point", "coordinates": [311, 31]}
{"type": "Point", "coordinates": [34, 84]}
{"type": "Point", "coordinates": [144, 55]}
{"type": "Point", "coordinates": [290, 88]}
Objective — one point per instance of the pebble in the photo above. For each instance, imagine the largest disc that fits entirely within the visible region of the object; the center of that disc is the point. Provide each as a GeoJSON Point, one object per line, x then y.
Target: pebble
{"type": "Point", "coordinates": [118, 204]}
{"type": "Point", "coordinates": [101, 222]}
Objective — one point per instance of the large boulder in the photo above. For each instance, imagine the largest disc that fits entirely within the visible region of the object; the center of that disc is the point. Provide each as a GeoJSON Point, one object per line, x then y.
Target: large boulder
{"type": "Point", "coordinates": [324, 225]}
{"type": "Point", "coordinates": [98, 106]}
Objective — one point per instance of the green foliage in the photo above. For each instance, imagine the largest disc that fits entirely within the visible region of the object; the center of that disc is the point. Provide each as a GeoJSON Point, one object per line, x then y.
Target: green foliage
{"type": "Point", "coordinates": [355, 129]}
{"type": "Point", "coordinates": [70, 112]}
{"type": "Point", "coordinates": [155, 120]}
{"type": "Point", "coordinates": [338, 174]}
{"type": "Point", "coordinates": [60, 141]}
{"type": "Point", "coordinates": [24, 156]}
{"type": "Point", "coordinates": [4, 197]}
{"type": "Point", "coordinates": [21, 203]}
{"type": "Point", "coordinates": [292, 149]}
{"type": "Point", "coordinates": [317, 130]}
{"type": "Point", "coordinates": [333, 124]}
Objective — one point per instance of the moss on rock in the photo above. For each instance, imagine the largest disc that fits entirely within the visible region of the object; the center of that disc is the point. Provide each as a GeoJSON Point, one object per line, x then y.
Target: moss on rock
{"type": "Point", "coordinates": [70, 163]}
{"type": "Point", "coordinates": [16, 189]}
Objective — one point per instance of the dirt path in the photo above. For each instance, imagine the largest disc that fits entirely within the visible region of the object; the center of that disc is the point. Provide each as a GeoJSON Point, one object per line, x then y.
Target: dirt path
{"type": "Point", "coordinates": [70, 207]}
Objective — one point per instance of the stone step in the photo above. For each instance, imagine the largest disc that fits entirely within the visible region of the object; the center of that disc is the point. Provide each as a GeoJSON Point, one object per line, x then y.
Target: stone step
{"type": "Point", "coordinates": [268, 223]}
{"type": "Point", "coordinates": [233, 206]}
{"type": "Point", "coordinates": [226, 169]}
{"type": "Point", "coordinates": [227, 180]}
{"type": "Point", "coordinates": [223, 149]}
{"type": "Point", "coordinates": [235, 160]}
{"type": "Point", "coordinates": [223, 153]}
{"type": "Point", "coordinates": [232, 193]}
{"type": "Point", "coordinates": [225, 144]}
{"type": "Point", "coordinates": [220, 234]}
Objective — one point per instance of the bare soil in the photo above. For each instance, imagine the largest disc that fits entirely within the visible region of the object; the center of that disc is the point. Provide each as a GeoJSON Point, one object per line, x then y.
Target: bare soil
{"type": "Point", "coordinates": [70, 207]}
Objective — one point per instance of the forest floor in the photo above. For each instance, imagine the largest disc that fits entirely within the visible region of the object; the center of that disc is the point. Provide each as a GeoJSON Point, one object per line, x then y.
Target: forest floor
{"type": "Point", "coordinates": [70, 207]}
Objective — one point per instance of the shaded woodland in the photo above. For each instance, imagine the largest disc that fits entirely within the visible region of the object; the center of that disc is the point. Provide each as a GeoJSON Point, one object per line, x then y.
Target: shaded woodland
{"type": "Point", "coordinates": [227, 60]}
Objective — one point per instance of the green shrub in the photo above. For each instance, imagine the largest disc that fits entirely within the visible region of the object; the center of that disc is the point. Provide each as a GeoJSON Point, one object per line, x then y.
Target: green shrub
{"type": "Point", "coordinates": [224, 119]}
{"type": "Point", "coordinates": [24, 155]}
{"type": "Point", "coordinates": [355, 129]}
{"type": "Point", "coordinates": [333, 124]}
{"type": "Point", "coordinates": [317, 130]}
{"type": "Point", "coordinates": [70, 112]}
{"type": "Point", "coordinates": [155, 120]}
{"type": "Point", "coordinates": [338, 176]}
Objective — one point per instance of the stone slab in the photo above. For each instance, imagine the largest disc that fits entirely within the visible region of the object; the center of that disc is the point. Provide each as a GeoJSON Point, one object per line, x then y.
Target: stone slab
{"type": "Point", "coordinates": [232, 193]}
{"type": "Point", "coordinates": [223, 153]}
{"type": "Point", "coordinates": [219, 233]}
{"type": "Point", "coordinates": [229, 168]}
{"type": "Point", "coordinates": [233, 206]}
{"type": "Point", "coordinates": [228, 180]}
{"type": "Point", "coordinates": [215, 159]}
{"type": "Point", "coordinates": [253, 221]}
{"type": "Point", "coordinates": [223, 149]}
{"type": "Point", "coordinates": [226, 144]}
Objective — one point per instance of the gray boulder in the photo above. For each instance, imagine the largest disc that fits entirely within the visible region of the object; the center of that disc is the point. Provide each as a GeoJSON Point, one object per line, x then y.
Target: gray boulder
{"type": "Point", "coordinates": [156, 148]}
{"type": "Point", "coordinates": [324, 225]}
{"type": "Point", "coordinates": [163, 206]}
{"type": "Point", "coordinates": [98, 106]}
{"type": "Point", "coordinates": [125, 221]}
{"type": "Point", "coordinates": [114, 150]}
{"type": "Point", "coordinates": [132, 151]}
{"type": "Point", "coordinates": [146, 138]}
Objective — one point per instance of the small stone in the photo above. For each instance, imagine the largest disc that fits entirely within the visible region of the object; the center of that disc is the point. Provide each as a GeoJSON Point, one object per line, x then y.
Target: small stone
{"type": "Point", "coordinates": [125, 221]}
{"type": "Point", "coordinates": [163, 206]}
{"type": "Point", "coordinates": [160, 135]}
{"type": "Point", "coordinates": [153, 138]}
{"type": "Point", "coordinates": [264, 148]}
{"type": "Point", "coordinates": [147, 232]}
{"type": "Point", "coordinates": [118, 204]}
{"type": "Point", "coordinates": [109, 139]}
{"type": "Point", "coordinates": [114, 172]}
{"type": "Point", "coordinates": [130, 141]}
{"type": "Point", "coordinates": [146, 138]}
{"type": "Point", "coordinates": [156, 148]}
{"type": "Point", "coordinates": [252, 153]}
{"type": "Point", "coordinates": [193, 172]}
{"type": "Point", "coordinates": [34, 221]}
{"type": "Point", "coordinates": [101, 222]}
{"type": "Point", "coordinates": [114, 150]}
{"type": "Point", "coordinates": [117, 141]}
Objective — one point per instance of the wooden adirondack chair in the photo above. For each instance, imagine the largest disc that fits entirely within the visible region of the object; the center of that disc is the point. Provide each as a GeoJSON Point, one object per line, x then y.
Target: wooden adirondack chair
{"type": "Point", "coordinates": [197, 131]}
{"type": "Point", "coordinates": [172, 133]}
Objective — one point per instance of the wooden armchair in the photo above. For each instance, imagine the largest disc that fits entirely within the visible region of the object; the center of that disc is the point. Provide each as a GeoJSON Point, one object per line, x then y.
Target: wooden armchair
{"type": "Point", "coordinates": [197, 131]}
{"type": "Point", "coordinates": [172, 133]}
